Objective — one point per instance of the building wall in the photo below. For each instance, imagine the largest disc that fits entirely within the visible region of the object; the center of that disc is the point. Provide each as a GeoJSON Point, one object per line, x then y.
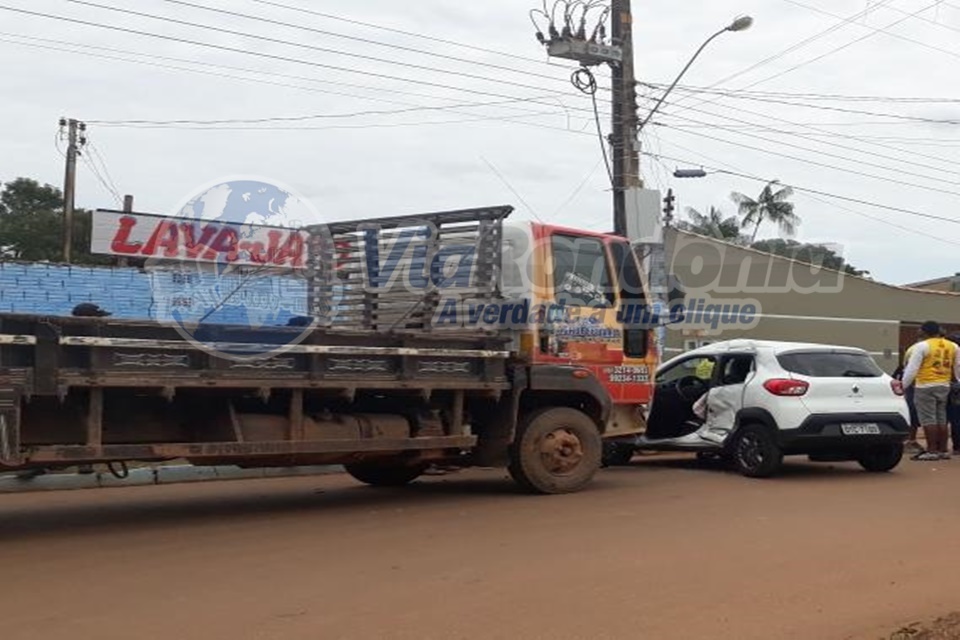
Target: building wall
{"type": "Point", "coordinates": [51, 289]}
{"type": "Point", "coordinates": [800, 303]}
{"type": "Point", "coordinates": [943, 284]}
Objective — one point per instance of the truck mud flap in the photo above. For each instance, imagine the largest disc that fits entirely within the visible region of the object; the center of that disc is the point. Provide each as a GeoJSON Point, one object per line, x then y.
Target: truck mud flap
{"type": "Point", "coordinates": [10, 428]}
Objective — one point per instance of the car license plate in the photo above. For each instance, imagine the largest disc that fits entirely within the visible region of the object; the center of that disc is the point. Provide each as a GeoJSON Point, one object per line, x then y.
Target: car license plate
{"type": "Point", "coordinates": [860, 429]}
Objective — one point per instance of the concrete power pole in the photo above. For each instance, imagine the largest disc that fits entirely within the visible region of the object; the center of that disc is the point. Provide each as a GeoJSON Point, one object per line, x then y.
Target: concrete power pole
{"type": "Point", "coordinates": [75, 140]}
{"type": "Point", "coordinates": [626, 153]}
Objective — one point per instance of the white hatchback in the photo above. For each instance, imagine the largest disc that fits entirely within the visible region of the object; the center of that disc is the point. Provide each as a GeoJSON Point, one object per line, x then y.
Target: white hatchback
{"type": "Point", "coordinates": [766, 400]}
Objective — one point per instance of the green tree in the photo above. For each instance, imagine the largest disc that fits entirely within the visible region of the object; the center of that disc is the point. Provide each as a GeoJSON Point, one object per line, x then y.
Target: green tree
{"type": "Point", "coordinates": [772, 205]}
{"type": "Point", "coordinates": [810, 253]}
{"type": "Point", "coordinates": [713, 224]}
{"type": "Point", "coordinates": [31, 224]}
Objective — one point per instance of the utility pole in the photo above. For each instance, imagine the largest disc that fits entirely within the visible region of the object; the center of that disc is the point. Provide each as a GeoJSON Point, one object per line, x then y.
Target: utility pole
{"type": "Point", "coordinates": [626, 156]}
{"type": "Point", "coordinates": [75, 140]}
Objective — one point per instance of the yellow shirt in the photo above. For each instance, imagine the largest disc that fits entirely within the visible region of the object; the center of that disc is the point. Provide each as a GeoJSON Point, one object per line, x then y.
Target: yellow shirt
{"type": "Point", "coordinates": [931, 362]}
{"type": "Point", "coordinates": [704, 370]}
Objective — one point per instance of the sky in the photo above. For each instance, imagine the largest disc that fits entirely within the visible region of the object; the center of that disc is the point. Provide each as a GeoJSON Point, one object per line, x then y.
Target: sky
{"type": "Point", "coordinates": [850, 98]}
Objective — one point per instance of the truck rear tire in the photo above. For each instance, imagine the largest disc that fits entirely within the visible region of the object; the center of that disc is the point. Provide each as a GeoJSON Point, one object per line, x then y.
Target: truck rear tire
{"type": "Point", "coordinates": [384, 474]}
{"type": "Point", "coordinates": [556, 450]}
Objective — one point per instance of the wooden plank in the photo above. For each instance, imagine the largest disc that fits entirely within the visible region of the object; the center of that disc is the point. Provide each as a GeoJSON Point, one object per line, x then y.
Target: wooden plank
{"type": "Point", "coordinates": [456, 414]}
{"type": "Point", "coordinates": [95, 417]}
{"type": "Point", "coordinates": [78, 453]}
{"type": "Point", "coordinates": [155, 379]}
{"type": "Point", "coordinates": [228, 347]}
{"type": "Point", "coordinates": [297, 433]}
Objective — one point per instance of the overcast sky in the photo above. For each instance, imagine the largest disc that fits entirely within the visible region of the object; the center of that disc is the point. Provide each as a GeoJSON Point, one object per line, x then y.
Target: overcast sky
{"type": "Point", "coordinates": [541, 155]}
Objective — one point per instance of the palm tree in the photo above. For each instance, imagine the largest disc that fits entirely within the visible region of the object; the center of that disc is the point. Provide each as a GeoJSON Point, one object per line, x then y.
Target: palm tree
{"type": "Point", "coordinates": [713, 224]}
{"type": "Point", "coordinates": [770, 206]}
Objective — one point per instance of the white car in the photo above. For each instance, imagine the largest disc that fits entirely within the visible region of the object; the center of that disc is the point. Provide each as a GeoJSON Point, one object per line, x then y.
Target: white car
{"type": "Point", "coordinates": [770, 399]}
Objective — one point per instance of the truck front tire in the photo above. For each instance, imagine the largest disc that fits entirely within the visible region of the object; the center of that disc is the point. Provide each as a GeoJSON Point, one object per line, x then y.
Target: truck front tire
{"type": "Point", "coordinates": [384, 474]}
{"type": "Point", "coordinates": [556, 450]}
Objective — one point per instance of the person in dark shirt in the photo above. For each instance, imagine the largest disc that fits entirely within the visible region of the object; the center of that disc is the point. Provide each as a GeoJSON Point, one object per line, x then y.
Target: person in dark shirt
{"type": "Point", "coordinates": [911, 444]}
{"type": "Point", "coordinates": [953, 408]}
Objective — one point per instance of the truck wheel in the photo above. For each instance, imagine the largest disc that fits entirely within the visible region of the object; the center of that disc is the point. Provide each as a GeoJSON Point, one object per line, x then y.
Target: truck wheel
{"type": "Point", "coordinates": [556, 450]}
{"type": "Point", "coordinates": [755, 452]}
{"type": "Point", "coordinates": [617, 454]}
{"type": "Point", "coordinates": [881, 459]}
{"type": "Point", "coordinates": [384, 474]}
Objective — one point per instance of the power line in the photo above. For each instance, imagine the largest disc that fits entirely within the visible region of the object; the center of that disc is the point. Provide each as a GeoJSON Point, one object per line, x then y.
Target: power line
{"type": "Point", "coordinates": [98, 157]}
{"type": "Point", "coordinates": [874, 31]}
{"type": "Point", "coordinates": [410, 34]}
{"type": "Point", "coordinates": [912, 212]}
{"type": "Point", "coordinates": [356, 39]}
{"type": "Point", "coordinates": [883, 221]}
{"type": "Point", "coordinates": [312, 116]}
{"type": "Point", "coordinates": [56, 47]}
{"type": "Point", "coordinates": [834, 97]}
{"type": "Point", "coordinates": [802, 43]}
{"type": "Point", "coordinates": [262, 54]}
{"type": "Point", "coordinates": [585, 82]}
{"type": "Point", "coordinates": [951, 171]}
{"type": "Point", "coordinates": [311, 47]}
{"type": "Point", "coordinates": [885, 30]}
{"type": "Point", "coordinates": [510, 187]}
{"type": "Point", "coordinates": [816, 162]}
{"type": "Point", "coordinates": [834, 50]}
{"type": "Point", "coordinates": [100, 179]}
{"type": "Point", "coordinates": [738, 95]}
{"type": "Point", "coordinates": [737, 171]}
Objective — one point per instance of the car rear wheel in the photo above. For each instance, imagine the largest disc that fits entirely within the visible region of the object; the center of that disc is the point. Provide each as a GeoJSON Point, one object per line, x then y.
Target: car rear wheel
{"type": "Point", "coordinates": [755, 452]}
{"type": "Point", "coordinates": [881, 459]}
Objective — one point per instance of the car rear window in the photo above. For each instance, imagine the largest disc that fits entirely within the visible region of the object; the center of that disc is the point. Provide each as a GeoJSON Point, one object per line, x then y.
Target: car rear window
{"type": "Point", "coordinates": [830, 364]}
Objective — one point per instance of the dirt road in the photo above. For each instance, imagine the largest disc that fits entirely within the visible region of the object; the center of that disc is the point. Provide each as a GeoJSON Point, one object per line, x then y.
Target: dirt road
{"type": "Point", "coordinates": [662, 549]}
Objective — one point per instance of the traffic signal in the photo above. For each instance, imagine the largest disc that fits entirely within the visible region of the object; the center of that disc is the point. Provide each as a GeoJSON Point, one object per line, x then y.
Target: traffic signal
{"type": "Point", "coordinates": [668, 206]}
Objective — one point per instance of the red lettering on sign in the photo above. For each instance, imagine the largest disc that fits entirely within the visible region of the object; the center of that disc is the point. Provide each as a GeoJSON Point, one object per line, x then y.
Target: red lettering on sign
{"type": "Point", "coordinates": [226, 243]}
{"type": "Point", "coordinates": [165, 235]}
{"type": "Point", "coordinates": [121, 240]}
{"type": "Point", "coordinates": [292, 250]}
{"type": "Point", "coordinates": [195, 247]}
{"type": "Point", "coordinates": [255, 251]}
{"type": "Point", "coordinates": [209, 241]}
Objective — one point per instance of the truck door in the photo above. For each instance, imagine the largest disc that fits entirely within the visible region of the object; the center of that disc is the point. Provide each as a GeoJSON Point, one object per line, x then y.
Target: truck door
{"type": "Point", "coordinates": [592, 278]}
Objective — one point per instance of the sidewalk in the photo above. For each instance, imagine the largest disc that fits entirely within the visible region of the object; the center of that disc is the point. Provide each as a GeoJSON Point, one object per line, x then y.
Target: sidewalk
{"type": "Point", "coordinates": [152, 475]}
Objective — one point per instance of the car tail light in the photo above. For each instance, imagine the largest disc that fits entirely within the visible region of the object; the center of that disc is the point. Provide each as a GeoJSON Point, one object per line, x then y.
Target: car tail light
{"type": "Point", "coordinates": [897, 387]}
{"type": "Point", "coordinates": [786, 387]}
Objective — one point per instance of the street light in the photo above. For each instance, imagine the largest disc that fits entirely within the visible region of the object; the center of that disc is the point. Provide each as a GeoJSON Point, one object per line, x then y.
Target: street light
{"type": "Point", "coordinates": [740, 24]}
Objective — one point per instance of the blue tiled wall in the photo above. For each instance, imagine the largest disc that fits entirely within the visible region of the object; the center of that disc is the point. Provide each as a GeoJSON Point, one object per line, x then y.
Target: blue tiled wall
{"type": "Point", "coordinates": [50, 289]}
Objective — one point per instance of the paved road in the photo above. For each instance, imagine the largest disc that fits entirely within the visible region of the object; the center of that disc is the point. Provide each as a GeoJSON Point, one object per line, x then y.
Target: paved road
{"type": "Point", "coordinates": [662, 549]}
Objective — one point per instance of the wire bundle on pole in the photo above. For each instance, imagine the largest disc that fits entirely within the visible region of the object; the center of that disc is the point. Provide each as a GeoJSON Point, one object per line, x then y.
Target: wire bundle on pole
{"type": "Point", "coordinates": [584, 80]}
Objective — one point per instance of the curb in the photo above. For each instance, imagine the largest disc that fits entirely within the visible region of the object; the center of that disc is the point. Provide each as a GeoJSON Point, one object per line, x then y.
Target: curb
{"type": "Point", "coordinates": [153, 476]}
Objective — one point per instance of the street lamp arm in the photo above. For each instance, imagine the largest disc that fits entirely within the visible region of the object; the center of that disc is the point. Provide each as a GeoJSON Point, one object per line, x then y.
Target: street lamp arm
{"type": "Point", "coordinates": [666, 93]}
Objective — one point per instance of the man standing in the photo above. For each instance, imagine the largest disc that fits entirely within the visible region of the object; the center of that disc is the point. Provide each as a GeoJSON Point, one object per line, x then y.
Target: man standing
{"type": "Point", "coordinates": [931, 368]}
{"type": "Point", "coordinates": [953, 408]}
